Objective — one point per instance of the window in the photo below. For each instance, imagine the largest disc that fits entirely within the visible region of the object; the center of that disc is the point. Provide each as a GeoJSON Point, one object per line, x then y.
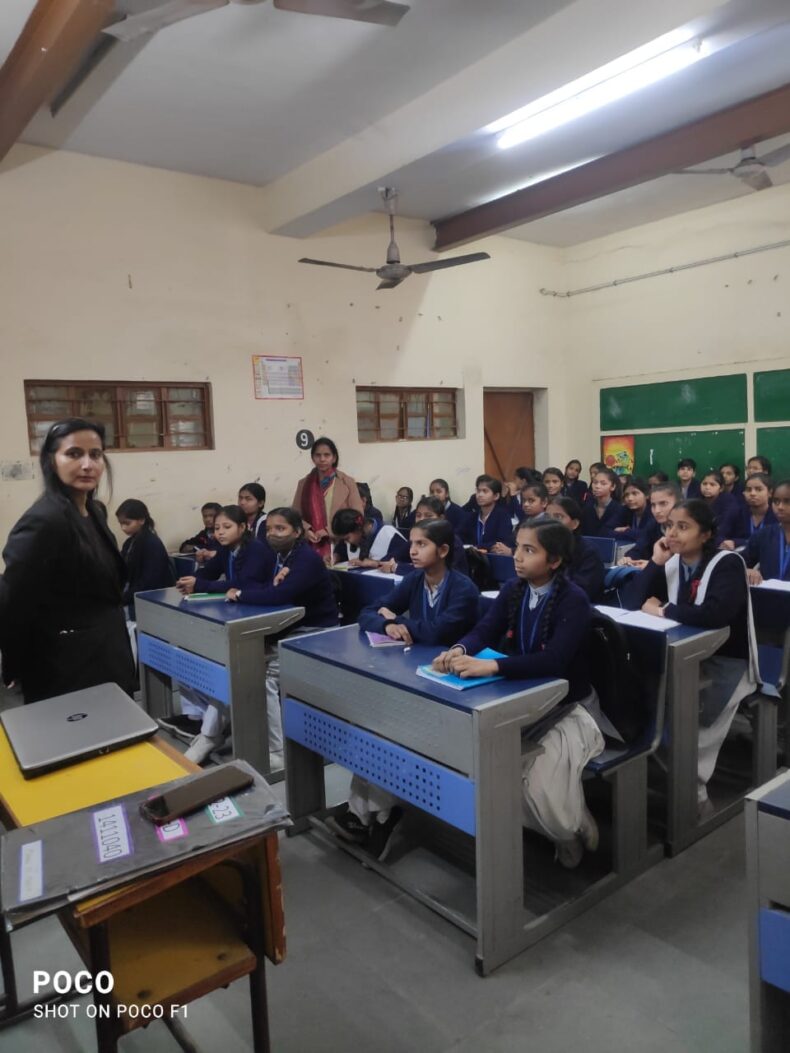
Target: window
{"type": "Point", "coordinates": [390, 414]}
{"type": "Point", "coordinates": [136, 416]}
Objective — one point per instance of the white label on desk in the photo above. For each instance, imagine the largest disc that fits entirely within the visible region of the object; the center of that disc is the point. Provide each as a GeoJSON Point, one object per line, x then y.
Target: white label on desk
{"type": "Point", "coordinates": [222, 810]}
{"type": "Point", "coordinates": [112, 834]}
{"type": "Point", "coordinates": [31, 871]}
{"type": "Point", "coordinates": [172, 831]}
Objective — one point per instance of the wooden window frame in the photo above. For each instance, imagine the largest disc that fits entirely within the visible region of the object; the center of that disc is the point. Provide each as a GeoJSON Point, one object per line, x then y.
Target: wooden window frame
{"type": "Point", "coordinates": [122, 417]}
{"type": "Point", "coordinates": [403, 395]}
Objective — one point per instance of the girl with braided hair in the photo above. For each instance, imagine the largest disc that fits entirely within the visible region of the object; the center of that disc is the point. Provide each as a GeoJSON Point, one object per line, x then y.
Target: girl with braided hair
{"type": "Point", "coordinates": [541, 622]}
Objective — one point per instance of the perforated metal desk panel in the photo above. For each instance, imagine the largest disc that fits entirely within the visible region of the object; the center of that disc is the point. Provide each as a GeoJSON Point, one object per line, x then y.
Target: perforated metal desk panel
{"type": "Point", "coordinates": [218, 648]}
{"type": "Point", "coordinates": [454, 754]}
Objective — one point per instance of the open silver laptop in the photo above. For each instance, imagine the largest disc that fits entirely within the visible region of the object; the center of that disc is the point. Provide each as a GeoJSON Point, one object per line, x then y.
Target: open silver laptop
{"type": "Point", "coordinates": [69, 728]}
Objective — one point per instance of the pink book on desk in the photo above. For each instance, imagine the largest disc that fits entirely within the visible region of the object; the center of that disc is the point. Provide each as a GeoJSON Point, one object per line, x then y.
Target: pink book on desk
{"type": "Point", "coordinates": [382, 640]}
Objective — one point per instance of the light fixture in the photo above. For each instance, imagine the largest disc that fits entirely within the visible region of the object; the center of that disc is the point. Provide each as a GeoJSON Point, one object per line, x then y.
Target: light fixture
{"type": "Point", "coordinates": [646, 65]}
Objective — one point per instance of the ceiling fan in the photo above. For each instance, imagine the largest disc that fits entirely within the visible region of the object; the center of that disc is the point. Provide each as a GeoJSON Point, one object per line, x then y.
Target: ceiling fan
{"type": "Point", "coordinates": [751, 169]}
{"type": "Point", "coordinates": [135, 25]}
{"type": "Point", "coordinates": [394, 272]}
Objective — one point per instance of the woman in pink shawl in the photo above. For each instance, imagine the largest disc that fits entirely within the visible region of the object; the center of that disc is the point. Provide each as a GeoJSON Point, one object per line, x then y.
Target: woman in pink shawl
{"type": "Point", "coordinates": [324, 491]}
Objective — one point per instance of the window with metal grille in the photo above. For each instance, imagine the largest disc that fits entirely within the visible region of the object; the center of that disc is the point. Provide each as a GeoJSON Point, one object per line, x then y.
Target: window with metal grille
{"type": "Point", "coordinates": [136, 416]}
{"type": "Point", "coordinates": [391, 414]}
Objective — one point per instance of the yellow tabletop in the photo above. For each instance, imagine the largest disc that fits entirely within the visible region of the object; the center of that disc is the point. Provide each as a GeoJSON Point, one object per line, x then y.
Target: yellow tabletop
{"type": "Point", "coordinates": [90, 782]}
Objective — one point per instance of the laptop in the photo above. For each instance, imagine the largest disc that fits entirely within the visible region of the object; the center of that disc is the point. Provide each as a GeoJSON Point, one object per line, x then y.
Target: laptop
{"type": "Point", "coordinates": [60, 731]}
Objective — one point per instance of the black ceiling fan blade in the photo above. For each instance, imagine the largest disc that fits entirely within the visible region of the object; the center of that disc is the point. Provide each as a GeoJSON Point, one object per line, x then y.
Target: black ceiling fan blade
{"type": "Point", "coordinates": [342, 266]}
{"type": "Point", "coordinates": [391, 284]}
{"type": "Point", "coordinates": [703, 171]}
{"type": "Point", "coordinates": [757, 180]}
{"type": "Point", "coordinates": [454, 261]}
{"type": "Point", "coordinates": [379, 12]}
{"type": "Point", "coordinates": [776, 157]}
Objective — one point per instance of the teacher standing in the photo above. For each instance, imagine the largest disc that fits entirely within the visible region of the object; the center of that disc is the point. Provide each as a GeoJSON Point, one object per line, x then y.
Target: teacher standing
{"type": "Point", "coordinates": [62, 626]}
{"type": "Point", "coordinates": [324, 491]}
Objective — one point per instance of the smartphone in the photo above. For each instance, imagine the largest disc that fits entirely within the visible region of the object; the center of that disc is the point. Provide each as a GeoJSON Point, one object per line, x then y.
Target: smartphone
{"type": "Point", "coordinates": [195, 794]}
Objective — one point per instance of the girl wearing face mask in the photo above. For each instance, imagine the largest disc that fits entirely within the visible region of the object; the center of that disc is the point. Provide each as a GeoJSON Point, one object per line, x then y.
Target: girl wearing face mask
{"type": "Point", "coordinates": [62, 624]}
{"type": "Point", "coordinates": [689, 581]}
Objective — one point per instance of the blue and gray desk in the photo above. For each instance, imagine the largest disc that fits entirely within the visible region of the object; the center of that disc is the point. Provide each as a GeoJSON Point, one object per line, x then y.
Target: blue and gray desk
{"type": "Point", "coordinates": [218, 648]}
{"type": "Point", "coordinates": [767, 813]}
{"type": "Point", "coordinates": [455, 755]}
{"type": "Point", "coordinates": [359, 589]}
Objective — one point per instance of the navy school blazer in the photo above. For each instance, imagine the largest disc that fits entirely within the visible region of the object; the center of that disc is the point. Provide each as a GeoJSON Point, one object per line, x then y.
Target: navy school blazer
{"type": "Point", "coordinates": [454, 514]}
{"type": "Point", "coordinates": [742, 522]}
{"type": "Point", "coordinates": [307, 585]}
{"type": "Point", "coordinates": [454, 613]}
{"type": "Point", "coordinates": [693, 490]}
{"type": "Point", "coordinates": [614, 515]}
{"type": "Point", "coordinates": [646, 539]}
{"type": "Point", "coordinates": [587, 569]}
{"type": "Point", "coordinates": [252, 565]}
{"type": "Point", "coordinates": [725, 601]}
{"type": "Point", "coordinates": [148, 565]}
{"type": "Point", "coordinates": [577, 490]}
{"type": "Point", "coordinates": [459, 561]}
{"type": "Point", "coordinates": [565, 653]}
{"type": "Point", "coordinates": [636, 529]}
{"type": "Point", "coordinates": [497, 528]}
{"type": "Point", "coordinates": [765, 547]}
{"type": "Point", "coordinates": [726, 509]}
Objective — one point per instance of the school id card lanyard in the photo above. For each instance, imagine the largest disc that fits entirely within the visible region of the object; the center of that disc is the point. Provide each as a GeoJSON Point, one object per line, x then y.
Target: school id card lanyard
{"type": "Point", "coordinates": [537, 612]}
{"type": "Point", "coordinates": [428, 611]}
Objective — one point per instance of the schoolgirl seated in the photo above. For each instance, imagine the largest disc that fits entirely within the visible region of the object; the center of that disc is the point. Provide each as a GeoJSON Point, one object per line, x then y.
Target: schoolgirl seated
{"type": "Point", "coordinates": [756, 510]}
{"type": "Point", "coordinates": [371, 512]}
{"type": "Point", "coordinates": [148, 565]}
{"type": "Point", "coordinates": [658, 478]}
{"type": "Point", "coordinates": [586, 568]}
{"type": "Point", "coordinates": [453, 513]}
{"type": "Point", "coordinates": [687, 481]}
{"type": "Point", "coordinates": [429, 508]}
{"type": "Point", "coordinates": [663, 499]}
{"type": "Point", "coordinates": [534, 499]}
{"type": "Point", "coordinates": [204, 538]}
{"type": "Point", "coordinates": [726, 508]}
{"type": "Point", "coordinates": [403, 516]}
{"type": "Point", "coordinates": [541, 622]}
{"type": "Point", "coordinates": [603, 513]}
{"type": "Point", "coordinates": [490, 525]}
{"type": "Point", "coordinates": [758, 465]}
{"type": "Point", "coordinates": [731, 474]}
{"type": "Point", "coordinates": [636, 501]}
{"type": "Point", "coordinates": [432, 605]}
{"type": "Point", "coordinates": [514, 492]}
{"type": "Point", "coordinates": [688, 580]}
{"type": "Point", "coordinates": [252, 498]}
{"type": "Point", "coordinates": [350, 543]}
{"type": "Point", "coordinates": [287, 573]}
{"type": "Point", "coordinates": [554, 481]}
{"type": "Point", "coordinates": [574, 486]}
{"type": "Point", "coordinates": [767, 551]}
{"type": "Point", "coordinates": [595, 467]}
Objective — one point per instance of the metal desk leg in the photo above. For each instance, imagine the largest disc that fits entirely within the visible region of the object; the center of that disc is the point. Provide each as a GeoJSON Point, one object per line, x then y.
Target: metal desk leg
{"type": "Point", "coordinates": [10, 998]}
{"type": "Point", "coordinates": [683, 727]}
{"type": "Point", "coordinates": [157, 692]}
{"type": "Point", "coordinates": [304, 785]}
{"type": "Point", "coordinates": [249, 722]}
{"type": "Point", "coordinates": [106, 1026]}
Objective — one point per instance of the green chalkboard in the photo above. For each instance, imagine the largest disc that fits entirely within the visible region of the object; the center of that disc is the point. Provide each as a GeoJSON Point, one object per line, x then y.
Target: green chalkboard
{"type": "Point", "coordinates": [675, 404]}
{"type": "Point", "coordinates": [663, 450]}
{"type": "Point", "coordinates": [772, 395]}
{"type": "Point", "coordinates": [774, 443]}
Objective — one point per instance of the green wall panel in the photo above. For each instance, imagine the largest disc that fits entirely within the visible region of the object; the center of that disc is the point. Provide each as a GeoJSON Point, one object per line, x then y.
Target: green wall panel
{"type": "Point", "coordinates": [772, 395]}
{"type": "Point", "coordinates": [709, 449]}
{"type": "Point", "coordinates": [774, 443]}
{"type": "Point", "coordinates": [675, 403]}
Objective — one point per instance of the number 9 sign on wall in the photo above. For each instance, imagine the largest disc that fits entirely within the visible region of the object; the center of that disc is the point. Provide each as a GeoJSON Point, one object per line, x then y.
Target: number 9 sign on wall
{"type": "Point", "coordinates": [304, 439]}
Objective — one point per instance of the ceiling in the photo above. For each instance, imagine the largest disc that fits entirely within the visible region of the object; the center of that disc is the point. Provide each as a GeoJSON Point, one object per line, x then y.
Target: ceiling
{"type": "Point", "coordinates": [319, 112]}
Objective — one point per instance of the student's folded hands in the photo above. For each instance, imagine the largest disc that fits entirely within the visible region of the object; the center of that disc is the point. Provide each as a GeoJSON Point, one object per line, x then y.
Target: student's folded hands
{"type": "Point", "coordinates": [186, 586]}
{"type": "Point", "coordinates": [464, 665]}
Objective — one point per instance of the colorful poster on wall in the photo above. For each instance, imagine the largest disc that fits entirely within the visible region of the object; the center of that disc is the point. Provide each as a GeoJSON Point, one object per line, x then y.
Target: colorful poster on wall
{"type": "Point", "coordinates": [617, 453]}
{"type": "Point", "coordinates": [277, 377]}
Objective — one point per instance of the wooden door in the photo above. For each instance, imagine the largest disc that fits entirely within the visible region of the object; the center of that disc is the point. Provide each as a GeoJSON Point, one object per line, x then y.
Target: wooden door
{"type": "Point", "coordinates": [509, 432]}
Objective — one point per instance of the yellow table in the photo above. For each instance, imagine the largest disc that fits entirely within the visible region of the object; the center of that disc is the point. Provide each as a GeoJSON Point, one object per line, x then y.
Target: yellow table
{"type": "Point", "coordinates": [169, 938]}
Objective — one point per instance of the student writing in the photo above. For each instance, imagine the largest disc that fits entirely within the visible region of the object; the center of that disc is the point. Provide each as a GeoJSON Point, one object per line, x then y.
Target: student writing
{"type": "Point", "coordinates": [204, 538]}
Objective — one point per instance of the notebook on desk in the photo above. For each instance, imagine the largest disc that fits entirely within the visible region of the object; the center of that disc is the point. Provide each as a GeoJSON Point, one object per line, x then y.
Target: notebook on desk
{"type": "Point", "coordinates": [60, 731]}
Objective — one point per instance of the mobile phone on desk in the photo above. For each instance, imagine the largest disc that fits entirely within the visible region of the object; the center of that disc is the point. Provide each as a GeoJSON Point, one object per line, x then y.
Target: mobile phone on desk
{"type": "Point", "coordinates": [195, 793]}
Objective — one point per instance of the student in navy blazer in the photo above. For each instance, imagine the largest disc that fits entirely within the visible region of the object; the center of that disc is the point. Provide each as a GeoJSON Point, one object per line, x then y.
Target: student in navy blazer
{"type": "Point", "coordinates": [586, 568]}
{"type": "Point", "coordinates": [604, 513]}
{"type": "Point", "coordinates": [453, 513]}
{"type": "Point", "coordinates": [575, 487]}
{"type": "Point", "coordinates": [252, 498]}
{"type": "Point", "coordinates": [491, 523]}
{"type": "Point", "coordinates": [148, 565]}
{"type": "Point", "coordinates": [541, 623]}
{"type": "Point", "coordinates": [769, 548]}
{"type": "Point", "coordinates": [724, 506]}
{"type": "Point", "coordinates": [689, 486]}
{"type": "Point", "coordinates": [756, 511]}
{"type": "Point", "coordinates": [636, 501]}
{"type": "Point", "coordinates": [400, 561]}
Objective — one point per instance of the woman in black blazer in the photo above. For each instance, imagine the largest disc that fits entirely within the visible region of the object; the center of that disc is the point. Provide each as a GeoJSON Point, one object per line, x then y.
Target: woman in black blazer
{"type": "Point", "coordinates": [62, 627]}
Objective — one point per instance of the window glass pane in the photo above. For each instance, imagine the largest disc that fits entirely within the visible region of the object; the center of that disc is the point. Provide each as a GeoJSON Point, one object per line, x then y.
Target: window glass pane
{"type": "Point", "coordinates": [185, 395]}
{"type": "Point", "coordinates": [185, 426]}
{"type": "Point", "coordinates": [416, 427]}
{"type": "Point", "coordinates": [184, 440]}
{"type": "Point", "coordinates": [142, 433]}
{"type": "Point", "coordinates": [141, 402]}
{"type": "Point", "coordinates": [94, 402]}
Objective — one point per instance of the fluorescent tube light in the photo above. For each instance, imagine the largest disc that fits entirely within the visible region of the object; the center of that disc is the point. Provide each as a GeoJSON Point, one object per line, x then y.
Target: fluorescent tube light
{"type": "Point", "coordinates": [624, 76]}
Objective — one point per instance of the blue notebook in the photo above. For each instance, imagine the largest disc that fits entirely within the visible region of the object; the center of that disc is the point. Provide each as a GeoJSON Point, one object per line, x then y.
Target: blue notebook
{"type": "Point", "coordinates": [455, 682]}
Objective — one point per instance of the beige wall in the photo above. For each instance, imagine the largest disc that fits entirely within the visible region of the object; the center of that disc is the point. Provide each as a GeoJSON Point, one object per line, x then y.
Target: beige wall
{"type": "Point", "coordinates": [209, 289]}
{"type": "Point", "coordinates": [727, 317]}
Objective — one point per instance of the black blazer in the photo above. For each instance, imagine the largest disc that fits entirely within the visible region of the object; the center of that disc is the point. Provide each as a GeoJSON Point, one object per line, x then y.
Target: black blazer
{"type": "Point", "coordinates": [148, 566]}
{"type": "Point", "coordinates": [62, 627]}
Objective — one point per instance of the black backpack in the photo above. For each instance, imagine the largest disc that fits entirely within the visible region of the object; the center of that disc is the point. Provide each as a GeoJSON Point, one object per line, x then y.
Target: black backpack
{"type": "Point", "coordinates": [623, 689]}
{"type": "Point", "coordinates": [480, 569]}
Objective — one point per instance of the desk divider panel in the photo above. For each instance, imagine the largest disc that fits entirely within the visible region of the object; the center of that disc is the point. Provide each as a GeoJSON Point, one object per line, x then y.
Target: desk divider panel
{"type": "Point", "coordinates": [201, 673]}
{"type": "Point", "coordinates": [413, 778]}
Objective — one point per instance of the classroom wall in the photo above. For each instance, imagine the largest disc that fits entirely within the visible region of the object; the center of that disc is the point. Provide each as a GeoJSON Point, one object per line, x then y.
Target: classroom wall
{"type": "Point", "coordinates": [725, 318]}
{"type": "Point", "coordinates": [124, 272]}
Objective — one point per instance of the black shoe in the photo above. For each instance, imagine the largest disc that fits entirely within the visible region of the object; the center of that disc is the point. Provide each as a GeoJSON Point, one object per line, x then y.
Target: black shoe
{"type": "Point", "coordinates": [348, 827]}
{"type": "Point", "coordinates": [380, 839]}
{"type": "Point", "coordinates": [184, 727]}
